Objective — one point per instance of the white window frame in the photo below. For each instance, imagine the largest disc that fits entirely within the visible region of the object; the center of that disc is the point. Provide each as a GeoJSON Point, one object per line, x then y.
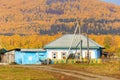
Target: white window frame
{"type": "Point", "coordinates": [54, 54]}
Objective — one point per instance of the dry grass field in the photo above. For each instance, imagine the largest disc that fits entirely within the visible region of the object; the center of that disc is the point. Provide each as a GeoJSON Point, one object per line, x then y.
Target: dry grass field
{"type": "Point", "coordinates": [106, 69]}
{"type": "Point", "coordinates": [16, 72]}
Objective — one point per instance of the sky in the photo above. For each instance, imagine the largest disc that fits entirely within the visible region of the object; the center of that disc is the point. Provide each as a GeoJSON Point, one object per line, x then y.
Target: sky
{"type": "Point", "coordinates": [117, 2]}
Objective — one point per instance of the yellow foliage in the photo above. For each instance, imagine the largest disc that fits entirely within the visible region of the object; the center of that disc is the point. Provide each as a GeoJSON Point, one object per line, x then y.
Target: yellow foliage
{"type": "Point", "coordinates": [31, 41]}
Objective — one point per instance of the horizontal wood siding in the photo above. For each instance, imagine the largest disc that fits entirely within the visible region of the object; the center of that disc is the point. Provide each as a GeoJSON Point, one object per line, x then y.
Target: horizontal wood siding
{"type": "Point", "coordinates": [23, 57]}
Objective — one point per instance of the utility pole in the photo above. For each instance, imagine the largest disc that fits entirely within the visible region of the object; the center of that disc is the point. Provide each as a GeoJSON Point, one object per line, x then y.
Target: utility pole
{"type": "Point", "coordinates": [81, 51]}
{"type": "Point", "coordinates": [88, 55]}
{"type": "Point", "coordinates": [80, 32]}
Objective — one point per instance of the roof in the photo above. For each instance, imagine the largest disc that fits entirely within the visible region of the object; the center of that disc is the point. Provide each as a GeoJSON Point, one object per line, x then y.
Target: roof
{"type": "Point", "coordinates": [27, 50]}
{"type": "Point", "coordinates": [2, 51]}
{"type": "Point", "coordinates": [33, 50]}
{"type": "Point", "coordinates": [64, 42]}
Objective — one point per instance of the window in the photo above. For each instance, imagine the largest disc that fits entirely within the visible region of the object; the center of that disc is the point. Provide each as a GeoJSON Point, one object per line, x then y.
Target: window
{"type": "Point", "coordinates": [89, 54]}
{"type": "Point", "coordinates": [63, 55]}
{"type": "Point", "coordinates": [86, 55]}
{"type": "Point", "coordinates": [78, 55]}
{"type": "Point", "coordinates": [54, 55]}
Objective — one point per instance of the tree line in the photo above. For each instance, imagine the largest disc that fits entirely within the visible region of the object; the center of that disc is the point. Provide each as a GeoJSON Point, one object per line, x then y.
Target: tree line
{"type": "Point", "coordinates": [111, 43]}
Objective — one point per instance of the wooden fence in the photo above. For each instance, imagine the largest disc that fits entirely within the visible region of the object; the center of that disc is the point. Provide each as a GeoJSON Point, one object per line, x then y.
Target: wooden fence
{"type": "Point", "coordinates": [73, 61]}
{"type": "Point", "coordinates": [110, 59]}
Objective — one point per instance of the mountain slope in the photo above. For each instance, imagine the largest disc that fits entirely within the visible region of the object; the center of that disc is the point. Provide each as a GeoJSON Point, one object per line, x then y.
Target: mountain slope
{"type": "Point", "coordinates": [53, 16]}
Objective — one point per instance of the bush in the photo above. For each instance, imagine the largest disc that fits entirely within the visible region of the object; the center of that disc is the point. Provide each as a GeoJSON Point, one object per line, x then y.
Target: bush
{"type": "Point", "coordinates": [13, 63]}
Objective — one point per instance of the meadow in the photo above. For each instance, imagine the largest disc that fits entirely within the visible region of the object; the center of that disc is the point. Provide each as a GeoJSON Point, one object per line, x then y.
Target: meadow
{"type": "Point", "coordinates": [18, 72]}
{"type": "Point", "coordinates": [111, 68]}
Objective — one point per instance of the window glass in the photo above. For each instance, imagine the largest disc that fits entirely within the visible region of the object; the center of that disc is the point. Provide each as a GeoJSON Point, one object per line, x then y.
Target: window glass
{"type": "Point", "coordinates": [63, 55]}
{"type": "Point", "coordinates": [90, 54]}
{"type": "Point", "coordinates": [54, 55]}
{"type": "Point", "coordinates": [78, 55]}
{"type": "Point", "coordinates": [87, 54]}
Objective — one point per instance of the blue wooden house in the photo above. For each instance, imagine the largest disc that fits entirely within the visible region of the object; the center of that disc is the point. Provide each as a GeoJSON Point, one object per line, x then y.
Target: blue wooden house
{"type": "Point", "coordinates": [25, 56]}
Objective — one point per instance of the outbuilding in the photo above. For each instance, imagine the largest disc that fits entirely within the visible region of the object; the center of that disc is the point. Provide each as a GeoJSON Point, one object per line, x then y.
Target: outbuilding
{"type": "Point", "coordinates": [25, 56]}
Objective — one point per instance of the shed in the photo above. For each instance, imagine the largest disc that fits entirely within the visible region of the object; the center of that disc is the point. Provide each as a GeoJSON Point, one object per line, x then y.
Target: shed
{"type": "Point", "coordinates": [25, 56]}
{"type": "Point", "coordinates": [9, 56]}
{"type": "Point", "coordinates": [30, 56]}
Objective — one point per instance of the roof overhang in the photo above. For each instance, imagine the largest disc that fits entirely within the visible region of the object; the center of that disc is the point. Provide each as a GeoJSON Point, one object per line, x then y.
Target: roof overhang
{"type": "Point", "coordinates": [73, 48]}
{"type": "Point", "coordinates": [33, 50]}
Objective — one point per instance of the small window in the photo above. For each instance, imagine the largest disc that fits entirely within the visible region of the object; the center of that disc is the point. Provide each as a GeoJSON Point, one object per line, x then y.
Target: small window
{"type": "Point", "coordinates": [54, 55]}
{"type": "Point", "coordinates": [86, 55]}
{"type": "Point", "coordinates": [89, 54]}
{"type": "Point", "coordinates": [78, 55]}
{"type": "Point", "coordinates": [63, 55]}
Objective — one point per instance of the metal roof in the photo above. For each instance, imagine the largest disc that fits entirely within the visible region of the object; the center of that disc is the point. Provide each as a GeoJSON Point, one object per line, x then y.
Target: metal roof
{"type": "Point", "coordinates": [65, 42]}
{"type": "Point", "coordinates": [33, 50]}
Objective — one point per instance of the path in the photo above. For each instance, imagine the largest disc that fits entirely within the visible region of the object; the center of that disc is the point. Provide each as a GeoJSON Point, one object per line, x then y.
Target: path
{"type": "Point", "coordinates": [77, 74]}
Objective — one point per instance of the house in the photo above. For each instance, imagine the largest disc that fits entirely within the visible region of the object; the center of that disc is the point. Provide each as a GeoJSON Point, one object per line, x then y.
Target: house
{"type": "Point", "coordinates": [25, 56]}
{"type": "Point", "coordinates": [59, 48]}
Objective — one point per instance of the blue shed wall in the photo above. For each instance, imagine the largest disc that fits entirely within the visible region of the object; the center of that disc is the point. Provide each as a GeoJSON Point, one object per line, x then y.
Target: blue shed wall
{"type": "Point", "coordinates": [18, 57]}
{"type": "Point", "coordinates": [22, 57]}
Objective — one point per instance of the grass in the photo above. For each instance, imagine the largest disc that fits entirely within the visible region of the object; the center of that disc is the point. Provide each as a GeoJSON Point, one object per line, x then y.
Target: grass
{"type": "Point", "coordinates": [109, 69]}
{"type": "Point", "coordinates": [12, 72]}
{"type": "Point", "coordinates": [18, 73]}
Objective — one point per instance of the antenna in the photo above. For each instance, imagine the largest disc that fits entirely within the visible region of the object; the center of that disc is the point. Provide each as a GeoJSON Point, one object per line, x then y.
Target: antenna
{"type": "Point", "coordinates": [72, 40]}
{"type": "Point", "coordinates": [78, 27]}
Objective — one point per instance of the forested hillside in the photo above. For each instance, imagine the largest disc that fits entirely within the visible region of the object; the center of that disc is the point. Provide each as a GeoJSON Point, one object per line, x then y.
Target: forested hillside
{"type": "Point", "coordinates": [58, 16]}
